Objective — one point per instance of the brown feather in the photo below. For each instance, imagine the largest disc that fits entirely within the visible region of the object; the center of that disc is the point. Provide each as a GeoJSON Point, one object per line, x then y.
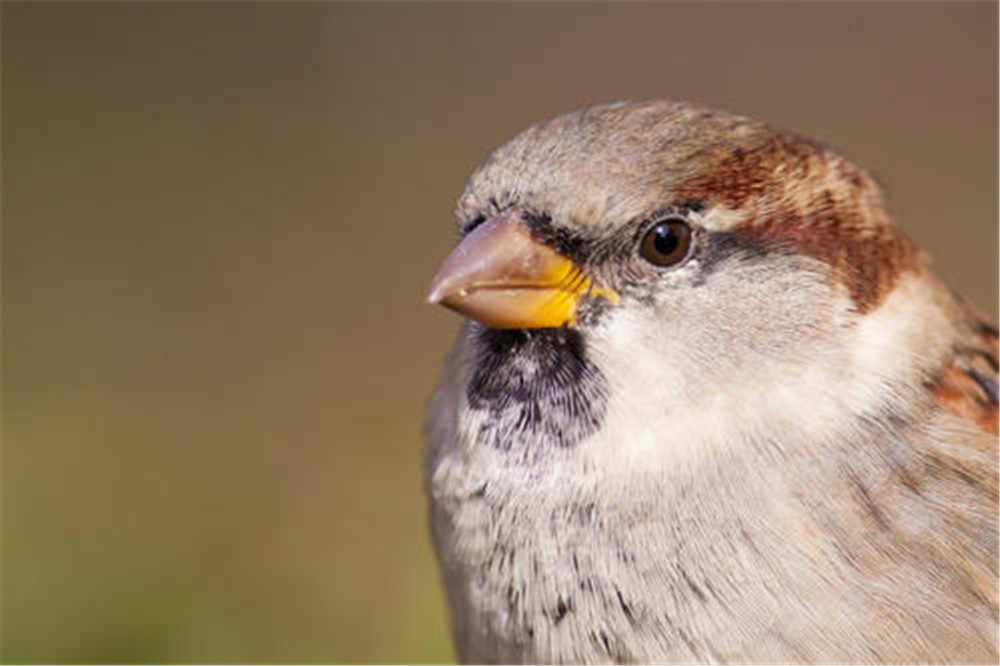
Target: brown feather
{"type": "Point", "coordinates": [967, 385]}
{"type": "Point", "coordinates": [803, 197]}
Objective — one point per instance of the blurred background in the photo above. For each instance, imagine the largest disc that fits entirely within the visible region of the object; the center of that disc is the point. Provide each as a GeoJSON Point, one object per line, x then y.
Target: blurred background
{"type": "Point", "coordinates": [219, 221]}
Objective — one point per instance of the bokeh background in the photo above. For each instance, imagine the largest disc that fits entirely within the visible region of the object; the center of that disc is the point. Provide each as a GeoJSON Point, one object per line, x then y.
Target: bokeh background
{"type": "Point", "coordinates": [219, 220]}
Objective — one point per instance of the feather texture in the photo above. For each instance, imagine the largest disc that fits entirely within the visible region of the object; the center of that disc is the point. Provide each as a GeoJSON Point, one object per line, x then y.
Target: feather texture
{"type": "Point", "coordinates": [781, 449]}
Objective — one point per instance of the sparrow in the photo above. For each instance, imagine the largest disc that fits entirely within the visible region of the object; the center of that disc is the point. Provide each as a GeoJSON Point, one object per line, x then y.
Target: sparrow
{"type": "Point", "coordinates": [709, 405]}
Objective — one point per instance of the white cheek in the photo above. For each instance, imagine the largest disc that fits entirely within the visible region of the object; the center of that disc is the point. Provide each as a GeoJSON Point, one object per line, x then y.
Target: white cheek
{"type": "Point", "coordinates": [770, 372]}
{"type": "Point", "coordinates": [909, 320]}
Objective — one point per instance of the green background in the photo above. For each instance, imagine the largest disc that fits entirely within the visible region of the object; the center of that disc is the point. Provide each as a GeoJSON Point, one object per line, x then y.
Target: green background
{"type": "Point", "coordinates": [219, 221]}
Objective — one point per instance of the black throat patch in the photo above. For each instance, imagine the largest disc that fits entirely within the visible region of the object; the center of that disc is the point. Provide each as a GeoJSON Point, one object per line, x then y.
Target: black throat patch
{"type": "Point", "coordinates": [539, 388]}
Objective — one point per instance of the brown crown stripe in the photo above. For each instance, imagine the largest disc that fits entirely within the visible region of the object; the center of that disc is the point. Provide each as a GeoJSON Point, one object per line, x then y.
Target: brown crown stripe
{"type": "Point", "coordinates": [806, 199]}
{"type": "Point", "coordinates": [743, 174]}
{"type": "Point", "coordinates": [869, 264]}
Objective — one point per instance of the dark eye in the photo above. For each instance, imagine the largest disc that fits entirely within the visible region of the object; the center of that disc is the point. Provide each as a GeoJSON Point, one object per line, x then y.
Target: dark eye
{"type": "Point", "coordinates": [667, 243]}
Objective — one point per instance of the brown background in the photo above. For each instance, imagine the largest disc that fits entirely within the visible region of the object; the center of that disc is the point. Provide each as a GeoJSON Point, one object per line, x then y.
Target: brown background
{"type": "Point", "coordinates": [219, 222]}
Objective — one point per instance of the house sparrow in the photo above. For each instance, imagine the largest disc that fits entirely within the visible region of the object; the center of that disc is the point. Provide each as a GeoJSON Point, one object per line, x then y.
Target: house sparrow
{"type": "Point", "coordinates": [710, 406]}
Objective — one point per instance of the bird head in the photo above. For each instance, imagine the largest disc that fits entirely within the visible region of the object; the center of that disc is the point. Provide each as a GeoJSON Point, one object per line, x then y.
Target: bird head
{"type": "Point", "coordinates": [678, 250]}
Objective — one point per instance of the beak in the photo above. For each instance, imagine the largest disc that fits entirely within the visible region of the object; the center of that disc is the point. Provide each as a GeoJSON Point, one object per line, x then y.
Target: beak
{"type": "Point", "coordinates": [499, 275]}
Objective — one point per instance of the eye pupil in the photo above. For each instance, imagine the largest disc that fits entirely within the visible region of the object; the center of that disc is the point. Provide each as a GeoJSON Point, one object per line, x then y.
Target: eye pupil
{"type": "Point", "coordinates": [665, 240]}
{"type": "Point", "coordinates": [667, 243]}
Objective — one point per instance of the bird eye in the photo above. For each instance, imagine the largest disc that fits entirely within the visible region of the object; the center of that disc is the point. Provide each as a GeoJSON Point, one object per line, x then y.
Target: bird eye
{"type": "Point", "coordinates": [667, 243]}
